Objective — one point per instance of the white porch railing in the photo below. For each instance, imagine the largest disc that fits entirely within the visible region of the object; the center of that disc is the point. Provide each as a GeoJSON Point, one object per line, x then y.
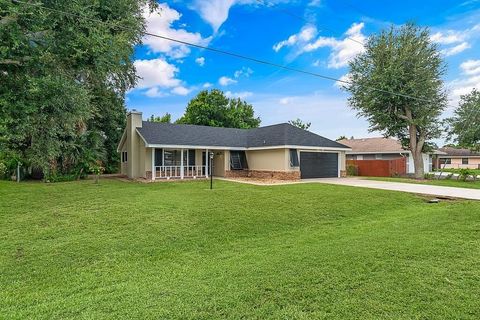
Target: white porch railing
{"type": "Point", "coordinates": [167, 172]}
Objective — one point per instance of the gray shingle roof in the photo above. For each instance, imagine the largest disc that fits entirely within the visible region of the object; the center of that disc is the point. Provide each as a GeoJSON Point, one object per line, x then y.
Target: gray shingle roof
{"type": "Point", "coordinates": [192, 135]}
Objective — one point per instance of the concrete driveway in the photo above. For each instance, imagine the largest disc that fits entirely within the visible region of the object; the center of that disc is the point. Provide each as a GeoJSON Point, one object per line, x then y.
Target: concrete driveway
{"type": "Point", "coordinates": [473, 194]}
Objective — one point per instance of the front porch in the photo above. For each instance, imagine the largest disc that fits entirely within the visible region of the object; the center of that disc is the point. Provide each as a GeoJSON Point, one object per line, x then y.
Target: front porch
{"type": "Point", "coordinates": [179, 164]}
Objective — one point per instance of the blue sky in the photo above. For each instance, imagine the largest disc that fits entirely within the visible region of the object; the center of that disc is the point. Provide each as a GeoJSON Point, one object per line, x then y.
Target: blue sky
{"type": "Point", "coordinates": [318, 39]}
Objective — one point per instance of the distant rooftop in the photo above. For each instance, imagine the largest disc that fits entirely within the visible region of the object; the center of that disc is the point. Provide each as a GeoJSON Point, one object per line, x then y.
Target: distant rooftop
{"type": "Point", "coordinates": [373, 145]}
{"type": "Point", "coordinates": [459, 152]}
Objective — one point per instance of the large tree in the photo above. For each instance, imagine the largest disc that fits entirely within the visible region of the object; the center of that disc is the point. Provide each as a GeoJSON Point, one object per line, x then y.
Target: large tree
{"type": "Point", "coordinates": [213, 108]}
{"type": "Point", "coordinates": [465, 124]}
{"type": "Point", "coordinates": [63, 79]}
{"type": "Point", "coordinates": [396, 83]}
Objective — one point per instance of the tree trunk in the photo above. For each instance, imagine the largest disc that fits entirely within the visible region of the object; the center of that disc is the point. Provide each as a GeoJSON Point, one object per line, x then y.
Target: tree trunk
{"type": "Point", "coordinates": [418, 162]}
{"type": "Point", "coordinates": [416, 146]}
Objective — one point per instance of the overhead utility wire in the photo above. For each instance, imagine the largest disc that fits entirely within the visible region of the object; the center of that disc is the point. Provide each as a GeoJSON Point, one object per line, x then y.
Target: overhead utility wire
{"type": "Point", "coordinates": [233, 54]}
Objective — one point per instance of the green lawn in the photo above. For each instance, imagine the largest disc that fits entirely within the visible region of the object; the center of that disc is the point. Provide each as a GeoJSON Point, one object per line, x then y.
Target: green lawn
{"type": "Point", "coordinates": [122, 250]}
{"type": "Point", "coordinates": [435, 182]}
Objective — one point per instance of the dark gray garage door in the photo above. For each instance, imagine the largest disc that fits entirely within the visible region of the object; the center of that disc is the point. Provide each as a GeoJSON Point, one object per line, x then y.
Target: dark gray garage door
{"type": "Point", "coordinates": [318, 165]}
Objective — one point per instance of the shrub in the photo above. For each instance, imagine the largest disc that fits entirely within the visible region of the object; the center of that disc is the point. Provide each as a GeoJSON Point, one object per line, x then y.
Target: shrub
{"type": "Point", "coordinates": [429, 176]}
{"type": "Point", "coordinates": [3, 170]}
{"type": "Point", "coordinates": [464, 174]}
{"type": "Point", "coordinates": [97, 169]}
{"type": "Point", "coordinates": [352, 170]}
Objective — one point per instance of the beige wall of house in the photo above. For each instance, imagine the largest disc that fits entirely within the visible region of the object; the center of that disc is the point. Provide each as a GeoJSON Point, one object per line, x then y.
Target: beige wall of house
{"type": "Point", "coordinates": [268, 160]}
{"type": "Point", "coordinates": [473, 163]}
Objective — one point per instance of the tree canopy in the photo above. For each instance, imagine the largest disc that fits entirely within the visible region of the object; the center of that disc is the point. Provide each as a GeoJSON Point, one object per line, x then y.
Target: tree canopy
{"type": "Point", "coordinates": [465, 124]}
{"type": "Point", "coordinates": [64, 79]}
{"type": "Point", "coordinates": [166, 118]}
{"type": "Point", "coordinates": [300, 124]}
{"type": "Point", "coordinates": [213, 108]}
{"type": "Point", "coordinates": [401, 60]}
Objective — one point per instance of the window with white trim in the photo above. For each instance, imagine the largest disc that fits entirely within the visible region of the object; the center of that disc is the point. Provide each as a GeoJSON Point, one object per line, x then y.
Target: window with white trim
{"type": "Point", "coordinates": [294, 158]}
{"type": "Point", "coordinates": [238, 160]}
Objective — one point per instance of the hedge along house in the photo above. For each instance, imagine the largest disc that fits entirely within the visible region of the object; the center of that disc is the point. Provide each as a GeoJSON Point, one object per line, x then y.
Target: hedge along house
{"type": "Point", "coordinates": [154, 151]}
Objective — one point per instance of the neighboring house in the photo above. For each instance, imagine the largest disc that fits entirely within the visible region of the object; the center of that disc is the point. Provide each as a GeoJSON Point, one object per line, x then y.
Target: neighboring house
{"type": "Point", "coordinates": [279, 151]}
{"type": "Point", "coordinates": [384, 149]}
{"type": "Point", "coordinates": [457, 158]}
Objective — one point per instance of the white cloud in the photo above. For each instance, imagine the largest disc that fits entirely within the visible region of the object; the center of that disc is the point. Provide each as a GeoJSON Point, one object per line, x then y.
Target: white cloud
{"type": "Point", "coordinates": [457, 49]}
{"type": "Point", "coordinates": [455, 41]}
{"type": "Point", "coordinates": [226, 81]}
{"type": "Point", "coordinates": [241, 95]}
{"type": "Point", "coordinates": [448, 37]}
{"type": "Point", "coordinates": [156, 72]}
{"type": "Point", "coordinates": [343, 79]}
{"type": "Point", "coordinates": [181, 90]}
{"type": "Point", "coordinates": [307, 33]}
{"type": "Point", "coordinates": [315, 3]}
{"type": "Point", "coordinates": [245, 72]}
{"type": "Point", "coordinates": [469, 81]}
{"type": "Point", "coordinates": [155, 93]}
{"type": "Point", "coordinates": [471, 67]}
{"type": "Point", "coordinates": [207, 85]}
{"type": "Point", "coordinates": [160, 22]}
{"type": "Point", "coordinates": [200, 61]}
{"type": "Point", "coordinates": [285, 100]}
{"type": "Point", "coordinates": [342, 50]}
{"type": "Point", "coordinates": [214, 12]}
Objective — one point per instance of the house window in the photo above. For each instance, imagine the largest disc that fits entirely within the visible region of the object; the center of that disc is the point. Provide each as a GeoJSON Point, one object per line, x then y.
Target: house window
{"type": "Point", "coordinates": [238, 160]}
{"type": "Point", "coordinates": [158, 157]}
{"type": "Point", "coordinates": [171, 157]}
{"type": "Point", "coordinates": [378, 156]}
{"type": "Point", "coordinates": [294, 158]}
{"type": "Point", "coordinates": [445, 161]}
{"type": "Point", "coordinates": [124, 156]}
{"type": "Point", "coordinates": [191, 157]}
{"type": "Point", "coordinates": [464, 160]}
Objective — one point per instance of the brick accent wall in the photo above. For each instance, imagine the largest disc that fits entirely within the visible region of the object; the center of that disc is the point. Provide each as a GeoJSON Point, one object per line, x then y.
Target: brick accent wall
{"type": "Point", "coordinates": [258, 174]}
{"type": "Point", "coordinates": [148, 175]}
{"type": "Point", "coordinates": [343, 173]}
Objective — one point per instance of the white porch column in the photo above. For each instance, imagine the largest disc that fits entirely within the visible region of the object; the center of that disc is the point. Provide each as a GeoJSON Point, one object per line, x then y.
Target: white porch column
{"type": "Point", "coordinates": [153, 164]}
{"type": "Point", "coordinates": [206, 162]}
{"type": "Point", "coordinates": [181, 164]}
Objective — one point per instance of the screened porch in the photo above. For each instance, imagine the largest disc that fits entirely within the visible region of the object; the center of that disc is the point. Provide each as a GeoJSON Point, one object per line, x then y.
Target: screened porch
{"type": "Point", "coordinates": [180, 163]}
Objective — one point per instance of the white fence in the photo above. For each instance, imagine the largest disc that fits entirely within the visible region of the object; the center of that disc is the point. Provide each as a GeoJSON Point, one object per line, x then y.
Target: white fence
{"type": "Point", "coordinates": [167, 172]}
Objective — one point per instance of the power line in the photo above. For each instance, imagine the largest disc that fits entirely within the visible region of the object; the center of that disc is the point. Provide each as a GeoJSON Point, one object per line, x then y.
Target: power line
{"type": "Point", "coordinates": [232, 54]}
{"type": "Point", "coordinates": [270, 5]}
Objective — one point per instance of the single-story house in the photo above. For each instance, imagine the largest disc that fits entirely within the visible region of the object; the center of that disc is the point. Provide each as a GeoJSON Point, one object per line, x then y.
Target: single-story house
{"type": "Point", "coordinates": [384, 149]}
{"type": "Point", "coordinates": [458, 158]}
{"type": "Point", "coordinates": [181, 151]}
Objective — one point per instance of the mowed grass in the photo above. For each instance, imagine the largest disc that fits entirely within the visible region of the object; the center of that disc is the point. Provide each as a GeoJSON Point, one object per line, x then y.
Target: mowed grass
{"type": "Point", "coordinates": [122, 250]}
{"type": "Point", "coordinates": [436, 182]}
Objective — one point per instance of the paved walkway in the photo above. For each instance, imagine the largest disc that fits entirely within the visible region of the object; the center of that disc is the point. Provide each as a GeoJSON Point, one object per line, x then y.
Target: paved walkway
{"type": "Point", "coordinates": [449, 192]}
{"type": "Point", "coordinates": [465, 193]}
